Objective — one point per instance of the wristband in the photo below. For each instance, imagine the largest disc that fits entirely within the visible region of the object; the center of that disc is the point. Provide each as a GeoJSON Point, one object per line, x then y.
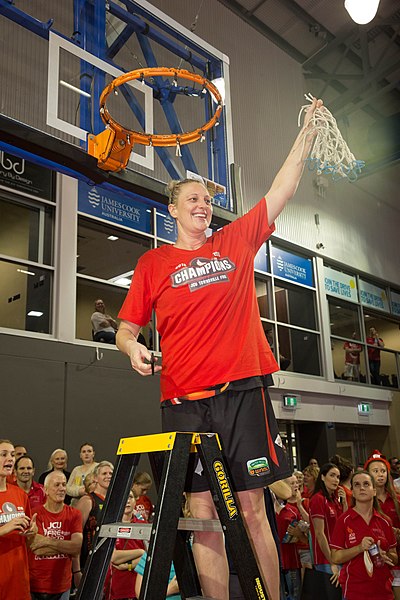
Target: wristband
{"type": "Point", "coordinates": [130, 566]}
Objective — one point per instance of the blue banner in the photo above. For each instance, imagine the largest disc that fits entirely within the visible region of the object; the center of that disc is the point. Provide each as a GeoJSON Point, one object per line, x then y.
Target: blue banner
{"type": "Point", "coordinates": [166, 228]}
{"type": "Point", "coordinates": [114, 207]}
{"type": "Point", "coordinates": [292, 267]}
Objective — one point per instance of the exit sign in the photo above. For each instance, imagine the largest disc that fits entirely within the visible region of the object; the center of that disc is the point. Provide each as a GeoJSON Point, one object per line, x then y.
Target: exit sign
{"type": "Point", "coordinates": [291, 402]}
{"type": "Point", "coordinates": [364, 409]}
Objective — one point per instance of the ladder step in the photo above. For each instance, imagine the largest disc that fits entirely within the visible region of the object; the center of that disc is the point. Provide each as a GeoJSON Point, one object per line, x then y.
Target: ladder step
{"type": "Point", "coordinates": [142, 531]}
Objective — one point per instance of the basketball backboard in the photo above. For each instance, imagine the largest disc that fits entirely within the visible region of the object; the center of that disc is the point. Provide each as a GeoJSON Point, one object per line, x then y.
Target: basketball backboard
{"type": "Point", "coordinates": [62, 71]}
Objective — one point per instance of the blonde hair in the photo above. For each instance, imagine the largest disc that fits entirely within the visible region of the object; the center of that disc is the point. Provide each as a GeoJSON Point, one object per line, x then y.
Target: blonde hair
{"type": "Point", "coordinates": [173, 189]}
{"type": "Point", "coordinates": [101, 465]}
{"type": "Point", "coordinates": [50, 465]}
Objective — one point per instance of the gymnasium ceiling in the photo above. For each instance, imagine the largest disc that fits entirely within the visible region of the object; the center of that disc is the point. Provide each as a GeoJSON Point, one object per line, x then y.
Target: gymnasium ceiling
{"type": "Point", "coordinates": [355, 69]}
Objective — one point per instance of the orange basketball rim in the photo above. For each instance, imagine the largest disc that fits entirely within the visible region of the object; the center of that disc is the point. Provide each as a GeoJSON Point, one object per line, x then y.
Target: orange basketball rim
{"type": "Point", "coordinates": [113, 146]}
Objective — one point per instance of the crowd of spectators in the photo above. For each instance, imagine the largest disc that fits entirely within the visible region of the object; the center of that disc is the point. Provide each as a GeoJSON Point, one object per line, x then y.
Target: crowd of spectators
{"type": "Point", "coordinates": [328, 521]}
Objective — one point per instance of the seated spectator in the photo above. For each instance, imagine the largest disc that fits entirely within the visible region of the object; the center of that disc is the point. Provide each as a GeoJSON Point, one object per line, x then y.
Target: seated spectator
{"type": "Point", "coordinates": [121, 576]}
{"type": "Point", "coordinates": [90, 483]}
{"type": "Point", "coordinates": [104, 326]}
{"type": "Point", "coordinates": [75, 485]}
{"type": "Point", "coordinates": [91, 505]}
{"type": "Point", "coordinates": [16, 531]}
{"type": "Point", "coordinates": [24, 472]}
{"type": "Point", "coordinates": [59, 539]}
{"type": "Point", "coordinates": [142, 482]}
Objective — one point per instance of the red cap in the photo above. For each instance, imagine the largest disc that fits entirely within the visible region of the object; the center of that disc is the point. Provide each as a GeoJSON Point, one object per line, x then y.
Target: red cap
{"type": "Point", "coordinates": [377, 456]}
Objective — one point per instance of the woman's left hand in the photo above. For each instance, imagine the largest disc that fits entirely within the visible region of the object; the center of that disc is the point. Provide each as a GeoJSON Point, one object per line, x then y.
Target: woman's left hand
{"type": "Point", "coordinates": [342, 497]}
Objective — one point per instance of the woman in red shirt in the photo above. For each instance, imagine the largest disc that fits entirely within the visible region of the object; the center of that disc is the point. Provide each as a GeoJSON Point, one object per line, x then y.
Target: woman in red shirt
{"type": "Point", "coordinates": [379, 468]}
{"type": "Point", "coordinates": [355, 532]}
{"type": "Point", "coordinates": [326, 505]}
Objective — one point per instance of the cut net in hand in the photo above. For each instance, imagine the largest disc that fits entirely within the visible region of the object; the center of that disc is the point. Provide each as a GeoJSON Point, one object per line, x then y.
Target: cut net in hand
{"type": "Point", "coordinates": [330, 155]}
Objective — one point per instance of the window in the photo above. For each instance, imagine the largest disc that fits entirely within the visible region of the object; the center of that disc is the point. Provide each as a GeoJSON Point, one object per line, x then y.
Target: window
{"type": "Point", "coordinates": [108, 253]}
{"type": "Point", "coordinates": [263, 296]}
{"type": "Point", "coordinates": [344, 318]}
{"type": "Point", "coordinates": [299, 350]}
{"type": "Point", "coordinates": [26, 293]}
{"type": "Point", "coordinates": [26, 229]}
{"type": "Point", "coordinates": [295, 305]}
{"type": "Point", "coordinates": [349, 359]}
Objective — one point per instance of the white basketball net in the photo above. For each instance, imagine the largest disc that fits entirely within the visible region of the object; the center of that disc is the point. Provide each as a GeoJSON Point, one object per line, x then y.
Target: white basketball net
{"type": "Point", "coordinates": [330, 154]}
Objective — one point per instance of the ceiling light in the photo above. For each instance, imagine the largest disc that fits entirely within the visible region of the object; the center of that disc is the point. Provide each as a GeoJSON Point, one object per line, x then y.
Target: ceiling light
{"type": "Point", "coordinates": [113, 238]}
{"type": "Point", "coordinates": [123, 281]}
{"type": "Point", "coordinates": [26, 272]}
{"type": "Point", "coordinates": [34, 313]}
{"type": "Point", "coordinates": [361, 11]}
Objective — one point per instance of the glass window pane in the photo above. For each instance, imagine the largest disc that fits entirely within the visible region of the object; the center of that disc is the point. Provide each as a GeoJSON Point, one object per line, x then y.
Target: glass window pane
{"type": "Point", "coordinates": [269, 331]}
{"type": "Point", "coordinates": [349, 360]}
{"type": "Point", "coordinates": [388, 374]}
{"type": "Point", "coordinates": [344, 319]}
{"type": "Point", "coordinates": [388, 331]}
{"type": "Point", "coordinates": [26, 230]}
{"type": "Point", "coordinates": [262, 291]}
{"type": "Point", "coordinates": [301, 349]}
{"type": "Point", "coordinates": [295, 305]}
{"type": "Point", "coordinates": [105, 258]}
{"type": "Point", "coordinates": [113, 297]}
{"type": "Point", "coordinates": [26, 293]}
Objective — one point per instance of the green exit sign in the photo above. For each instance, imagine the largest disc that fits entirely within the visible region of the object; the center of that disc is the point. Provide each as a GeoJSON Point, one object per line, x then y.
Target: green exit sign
{"type": "Point", "coordinates": [364, 408]}
{"type": "Point", "coordinates": [291, 402]}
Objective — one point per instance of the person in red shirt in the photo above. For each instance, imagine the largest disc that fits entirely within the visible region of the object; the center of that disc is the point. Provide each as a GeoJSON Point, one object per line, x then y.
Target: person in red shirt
{"type": "Point", "coordinates": [389, 502]}
{"type": "Point", "coordinates": [59, 539]}
{"type": "Point", "coordinates": [374, 355]}
{"type": "Point", "coordinates": [355, 532]}
{"type": "Point", "coordinates": [352, 359]}
{"type": "Point", "coordinates": [216, 360]}
{"type": "Point", "coordinates": [16, 531]}
{"type": "Point", "coordinates": [324, 510]}
{"type": "Point", "coordinates": [121, 576]}
{"type": "Point", "coordinates": [24, 472]}
{"type": "Point", "coordinates": [290, 535]}
{"type": "Point", "coordinates": [141, 484]}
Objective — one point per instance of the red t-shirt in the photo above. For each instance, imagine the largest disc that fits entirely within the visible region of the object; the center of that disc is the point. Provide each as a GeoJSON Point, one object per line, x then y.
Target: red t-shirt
{"type": "Point", "coordinates": [14, 574]}
{"type": "Point", "coordinates": [374, 353]}
{"type": "Point", "coordinates": [144, 507]}
{"type": "Point", "coordinates": [121, 584]}
{"type": "Point", "coordinates": [206, 307]}
{"type": "Point", "coordinates": [352, 358]}
{"type": "Point", "coordinates": [53, 574]}
{"type": "Point", "coordinates": [36, 495]}
{"type": "Point", "coordinates": [289, 554]}
{"type": "Point", "coordinates": [354, 579]}
{"type": "Point", "coordinates": [329, 511]}
{"type": "Point", "coordinates": [389, 509]}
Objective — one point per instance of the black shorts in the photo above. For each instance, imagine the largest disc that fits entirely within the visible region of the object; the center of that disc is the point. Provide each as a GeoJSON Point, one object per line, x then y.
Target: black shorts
{"type": "Point", "coordinates": [248, 432]}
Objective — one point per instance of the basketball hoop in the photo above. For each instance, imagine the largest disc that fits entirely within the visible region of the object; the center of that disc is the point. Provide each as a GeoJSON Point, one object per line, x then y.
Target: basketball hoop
{"type": "Point", "coordinates": [113, 146]}
{"type": "Point", "coordinates": [330, 155]}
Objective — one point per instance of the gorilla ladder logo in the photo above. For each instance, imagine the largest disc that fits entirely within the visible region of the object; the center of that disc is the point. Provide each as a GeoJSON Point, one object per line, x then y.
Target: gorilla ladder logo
{"type": "Point", "coordinates": [201, 272]}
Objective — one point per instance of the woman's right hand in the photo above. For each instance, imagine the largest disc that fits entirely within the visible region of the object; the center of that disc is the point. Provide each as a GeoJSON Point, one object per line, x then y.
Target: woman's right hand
{"type": "Point", "coordinates": [138, 354]}
{"type": "Point", "coordinates": [20, 524]}
{"type": "Point", "coordinates": [366, 543]}
{"type": "Point", "coordinates": [335, 575]}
